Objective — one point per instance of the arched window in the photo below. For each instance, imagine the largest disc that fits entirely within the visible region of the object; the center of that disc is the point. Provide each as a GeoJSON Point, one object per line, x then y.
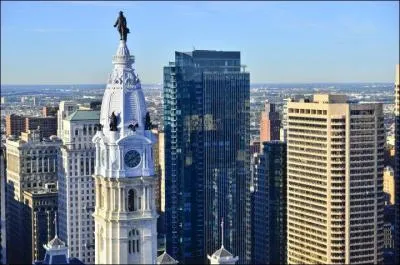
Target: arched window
{"type": "Point", "coordinates": [133, 241]}
{"type": "Point", "coordinates": [131, 200]}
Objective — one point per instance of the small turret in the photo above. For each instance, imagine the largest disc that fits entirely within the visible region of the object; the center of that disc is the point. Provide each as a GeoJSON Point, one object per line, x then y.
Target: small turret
{"type": "Point", "coordinates": [222, 256]}
{"type": "Point", "coordinates": [57, 251]}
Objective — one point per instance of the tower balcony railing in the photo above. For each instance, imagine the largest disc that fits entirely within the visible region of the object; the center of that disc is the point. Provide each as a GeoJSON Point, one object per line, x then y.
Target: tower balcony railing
{"type": "Point", "coordinates": [123, 59]}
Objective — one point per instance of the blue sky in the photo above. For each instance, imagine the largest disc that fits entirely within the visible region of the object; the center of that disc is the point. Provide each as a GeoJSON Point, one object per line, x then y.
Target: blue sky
{"type": "Point", "coordinates": [73, 42]}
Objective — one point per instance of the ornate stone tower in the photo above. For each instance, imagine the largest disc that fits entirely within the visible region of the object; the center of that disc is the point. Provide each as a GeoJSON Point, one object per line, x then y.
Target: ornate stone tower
{"type": "Point", "coordinates": [125, 214]}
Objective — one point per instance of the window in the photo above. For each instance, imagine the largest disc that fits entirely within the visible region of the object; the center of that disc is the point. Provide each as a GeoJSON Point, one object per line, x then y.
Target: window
{"type": "Point", "coordinates": [131, 200]}
{"type": "Point", "coordinates": [133, 241]}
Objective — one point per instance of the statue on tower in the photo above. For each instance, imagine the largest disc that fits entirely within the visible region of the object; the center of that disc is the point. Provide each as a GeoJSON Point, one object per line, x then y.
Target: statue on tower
{"type": "Point", "coordinates": [113, 122]}
{"type": "Point", "coordinates": [121, 26]}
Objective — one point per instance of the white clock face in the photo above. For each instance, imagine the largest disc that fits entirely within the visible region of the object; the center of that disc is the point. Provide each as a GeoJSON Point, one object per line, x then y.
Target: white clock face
{"type": "Point", "coordinates": [132, 158]}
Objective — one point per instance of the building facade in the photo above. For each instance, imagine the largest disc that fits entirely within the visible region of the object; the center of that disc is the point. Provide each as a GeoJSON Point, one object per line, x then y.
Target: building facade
{"type": "Point", "coordinates": [206, 126]}
{"type": "Point", "coordinates": [47, 125]}
{"type": "Point", "coordinates": [32, 162]}
{"type": "Point", "coordinates": [397, 162]}
{"type": "Point", "coordinates": [125, 213]}
{"type": "Point", "coordinates": [40, 207]}
{"type": "Point", "coordinates": [269, 209]}
{"type": "Point", "coordinates": [270, 123]}
{"type": "Point", "coordinates": [3, 230]}
{"type": "Point", "coordinates": [15, 124]}
{"type": "Point", "coordinates": [335, 181]}
{"type": "Point", "coordinates": [65, 109]}
{"type": "Point", "coordinates": [159, 188]}
{"type": "Point", "coordinates": [50, 111]}
{"type": "Point", "coordinates": [76, 185]}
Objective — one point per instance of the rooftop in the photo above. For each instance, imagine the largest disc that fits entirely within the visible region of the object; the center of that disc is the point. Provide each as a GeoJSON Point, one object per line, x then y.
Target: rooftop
{"type": "Point", "coordinates": [164, 258]}
{"type": "Point", "coordinates": [81, 115]}
{"type": "Point", "coordinates": [222, 253]}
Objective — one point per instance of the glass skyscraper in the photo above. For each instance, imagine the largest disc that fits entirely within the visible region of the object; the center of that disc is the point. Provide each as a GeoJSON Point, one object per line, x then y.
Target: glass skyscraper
{"type": "Point", "coordinates": [206, 123]}
{"type": "Point", "coordinates": [269, 205]}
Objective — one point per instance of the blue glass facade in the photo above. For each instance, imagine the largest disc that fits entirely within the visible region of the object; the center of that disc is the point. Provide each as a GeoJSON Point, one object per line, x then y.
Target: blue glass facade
{"type": "Point", "coordinates": [269, 205]}
{"type": "Point", "coordinates": [206, 124]}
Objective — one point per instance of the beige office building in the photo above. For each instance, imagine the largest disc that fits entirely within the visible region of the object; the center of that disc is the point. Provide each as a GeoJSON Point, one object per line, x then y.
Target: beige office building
{"type": "Point", "coordinates": [388, 185]}
{"type": "Point", "coordinates": [32, 162]}
{"type": "Point", "coordinates": [335, 181]}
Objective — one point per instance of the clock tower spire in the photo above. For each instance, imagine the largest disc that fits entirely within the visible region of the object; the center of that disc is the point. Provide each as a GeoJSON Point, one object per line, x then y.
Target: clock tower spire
{"type": "Point", "coordinates": [125, 214]}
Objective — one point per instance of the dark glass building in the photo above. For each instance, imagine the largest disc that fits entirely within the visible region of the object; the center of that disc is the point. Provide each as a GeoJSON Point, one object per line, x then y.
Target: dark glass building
{"type": "Point", "coordinates": [206, 124]}
{"type": "Point", "coordinates": [269, 205]}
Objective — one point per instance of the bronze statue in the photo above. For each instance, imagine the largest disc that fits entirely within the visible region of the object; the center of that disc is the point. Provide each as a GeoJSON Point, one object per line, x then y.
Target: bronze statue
{"type": "Point", "coordinates": [113, 122]}
{"type": "Point", "coordinates": [122, 28]}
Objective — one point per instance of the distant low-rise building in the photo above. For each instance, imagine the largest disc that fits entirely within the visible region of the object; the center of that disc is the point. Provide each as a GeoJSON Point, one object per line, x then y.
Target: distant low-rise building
{"type": "Point", "coordinates": [16, 124]}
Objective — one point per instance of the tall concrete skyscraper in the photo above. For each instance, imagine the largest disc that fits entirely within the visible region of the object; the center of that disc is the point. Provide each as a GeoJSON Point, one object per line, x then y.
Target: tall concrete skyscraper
{"type": "Point", "coordinates": [32, 162]}
{"type": "Point", "coordinates": [206, 125]}
{"type": "Point", "coordinates": [397, 163]}
{"type": "Point", "coordinates": [335, 181]}
{"type": "Point", "coordinates": [269, 205]}
{"type": "Point", "coordinates": [76, 185]}
{"type": "Point", "coordinates": [270, 123]}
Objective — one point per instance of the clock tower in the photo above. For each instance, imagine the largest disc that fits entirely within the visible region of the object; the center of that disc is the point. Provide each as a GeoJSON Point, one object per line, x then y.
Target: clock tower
{"type": "Point", "coordinates": [125, 214]}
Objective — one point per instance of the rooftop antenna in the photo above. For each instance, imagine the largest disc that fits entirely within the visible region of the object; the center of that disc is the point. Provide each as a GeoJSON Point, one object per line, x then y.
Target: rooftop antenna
{"type": "Point", "coordinates": [222, 232]}
{"type": "Point", "coordinates": [194, 48]}
{"type": "Point", "coordinates": [55, 224]}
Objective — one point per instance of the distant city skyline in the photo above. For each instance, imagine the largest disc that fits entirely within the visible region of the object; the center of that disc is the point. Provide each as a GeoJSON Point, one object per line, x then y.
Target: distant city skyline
{"type": "Point", "coordinates": [280, 42]}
